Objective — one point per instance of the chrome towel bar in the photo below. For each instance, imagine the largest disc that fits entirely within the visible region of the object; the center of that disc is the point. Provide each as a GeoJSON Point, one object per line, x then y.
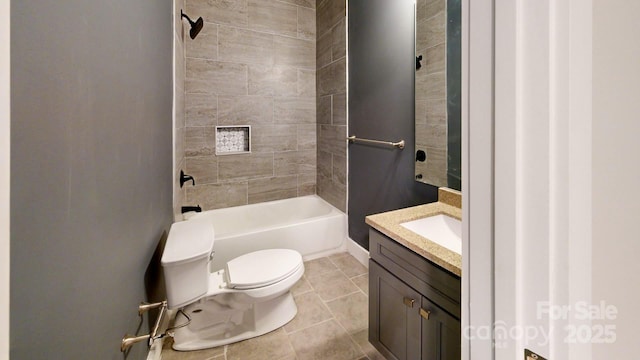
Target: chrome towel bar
{"type": "Point", "coordinates": [399, 144]}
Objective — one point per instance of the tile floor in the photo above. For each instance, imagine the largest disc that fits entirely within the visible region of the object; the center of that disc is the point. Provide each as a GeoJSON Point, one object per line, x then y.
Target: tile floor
{"type": "Point", "coordinates": [331, 322]}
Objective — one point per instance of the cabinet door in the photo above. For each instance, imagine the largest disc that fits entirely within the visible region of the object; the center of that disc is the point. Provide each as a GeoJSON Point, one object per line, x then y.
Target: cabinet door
{"type": "Point", "coordinates": [440, 333]}
{"type": "Point", "coordinates": [394, 324]}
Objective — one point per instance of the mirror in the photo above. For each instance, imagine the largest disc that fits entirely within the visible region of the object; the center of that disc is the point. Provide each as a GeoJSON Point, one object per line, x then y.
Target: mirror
{"type": "Point", "coordinates": [438, 93]}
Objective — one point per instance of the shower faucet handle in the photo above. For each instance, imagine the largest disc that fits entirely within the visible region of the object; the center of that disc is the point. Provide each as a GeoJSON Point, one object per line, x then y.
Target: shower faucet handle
{"type": "Point", "coordinates": [184, 178]}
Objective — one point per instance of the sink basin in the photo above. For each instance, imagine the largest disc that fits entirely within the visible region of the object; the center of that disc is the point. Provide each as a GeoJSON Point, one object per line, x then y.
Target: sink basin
{"type": "Point", "coordinates": [441, 229]}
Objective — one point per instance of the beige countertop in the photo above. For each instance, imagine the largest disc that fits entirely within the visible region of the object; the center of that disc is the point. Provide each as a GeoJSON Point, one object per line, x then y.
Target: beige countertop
{"type": "Point", "coordinates": [389, 222]}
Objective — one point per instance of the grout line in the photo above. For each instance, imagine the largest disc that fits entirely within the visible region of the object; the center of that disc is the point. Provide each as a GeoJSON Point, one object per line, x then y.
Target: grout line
{"type": "Point", "coordinates": [310, 326]}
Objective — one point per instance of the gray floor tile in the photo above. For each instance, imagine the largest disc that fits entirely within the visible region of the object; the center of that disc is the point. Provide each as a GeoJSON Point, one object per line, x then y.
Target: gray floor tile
{"type": "Point", "coordinates": [325, 341]}
{"type": "Point", "coordinates": [362, 281]}
{"type": "Point", "coordinates": [274, 345]}
{"type": "Point", "coordinates": [348, 264]}
{"type": "Point", "coordinates": [351, 311]}
{"type": "Point", "coordinates": [311, 311]}
{"type": "Point", "coordinates": [331, 285]}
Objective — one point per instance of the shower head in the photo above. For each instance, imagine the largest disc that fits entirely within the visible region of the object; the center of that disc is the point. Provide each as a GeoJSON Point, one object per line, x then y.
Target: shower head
{"type": "Point", "coordinates": [196, 26]}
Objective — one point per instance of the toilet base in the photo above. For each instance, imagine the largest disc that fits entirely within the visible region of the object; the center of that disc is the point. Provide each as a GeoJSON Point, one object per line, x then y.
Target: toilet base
{"type": "Point", "coordinates": [220, 320]}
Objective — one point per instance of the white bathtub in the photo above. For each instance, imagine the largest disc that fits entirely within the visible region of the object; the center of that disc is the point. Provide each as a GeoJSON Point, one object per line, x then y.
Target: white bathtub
{"type": "Point", "coordinates": [307, 224]}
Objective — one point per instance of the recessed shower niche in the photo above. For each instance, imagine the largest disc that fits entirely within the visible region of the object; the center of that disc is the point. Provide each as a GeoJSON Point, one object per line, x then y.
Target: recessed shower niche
{"type": "Point", "coordinates": [234, 139]}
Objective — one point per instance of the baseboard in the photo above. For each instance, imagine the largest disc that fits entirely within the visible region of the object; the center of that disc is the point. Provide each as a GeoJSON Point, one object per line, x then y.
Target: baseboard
{"type": "Point", "coordinates": [361, 254]}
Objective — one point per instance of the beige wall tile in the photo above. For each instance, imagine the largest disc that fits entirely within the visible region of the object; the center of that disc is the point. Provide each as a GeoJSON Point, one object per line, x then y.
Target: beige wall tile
{"type": "Point", "coordinates": [306, 3]}
{"type": "Point", "coordinates": [325, 164]}
{"type": "Point", "coordinates": [431, 86]}
{"type": "Point", "coordinates": [270, 138]}
{"type": "Point", "coordinates": [339, 170]}
{"type": "Point", "coordinates": [307, 83]}
{"type": "Point", "coordinates": [245, 46]}
{"type": "Point", "coordinates": [324, 110]}
{"type": "Point", "coordinates": [203, 169]}
{"type": "Point", "coordinates": [306, 185]}
{"type": "Point", "coordinates": [335, 194]}
{"type": "Point", "coordinates": [200, 141]}
{"type": "Point", "coordinates": [329, 13]}
{"type": "Point", "coordinates": [332, 78]}
{"type": "Point", "coordinates": [180, 144]}
{"type": "Point", "coordinates": [245, 110]}
{"type": "Point", "coordinates": [201, 110]}
{"type": "Point", "coordinates": [421, 111]}
{"type": "Point", "coordinates": [273, 80]}
{"type": "Point", "coordinates": [435, 165]}
{"type": "Point", "coordinates": [323, 48]}
{"type": "Point", "coordinates": [228, 12]}
{"type": "Point", "coordinates": [431, 32]}
{"type": "Point", "coordinates": [429, 8]}
{"type": "Point", "coordinates": [217, 196]}
{"type": "Point", "coordinates": [435, 135]}
{"type": "Point", "coordinates": [307, 136]}
{"type": "Point", "coordinates": [213, 77]}
{"type": "Point", "coordinates": [306, 23]}
{"type": "Point", "coordinates": [294, 162]}
{"type": "Point", "coordinates": [294, 110]}
{"type": "Point", "coordinates": [260, 61]}
{"type": "Point", "coordinates": [435, 58]}
{"type": "Point", "coordinates": [205, 45]}
{"type": "Point", "coordinates": [436, 110]}
{"type": "Point", "coordinates": [245, 166]}
{"type": "Point", "coordinates": [339, 112]}
{"type": "Point", "coordinates": [338, 40]}
{"type": "Point", "coordinates": [275, 188]}
{"type": "Point", "coordinates": [273, 16]}
{"type": "Point", "coordinates": [180, 108]}
{"type": "Point", "coordinates": [333, 139]}
{"type": "Point", "coordinates": [295, 52]}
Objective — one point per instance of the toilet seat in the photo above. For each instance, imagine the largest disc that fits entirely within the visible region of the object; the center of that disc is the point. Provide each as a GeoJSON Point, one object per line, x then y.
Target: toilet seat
{"type": "Point", "coordinates": [261, 268]}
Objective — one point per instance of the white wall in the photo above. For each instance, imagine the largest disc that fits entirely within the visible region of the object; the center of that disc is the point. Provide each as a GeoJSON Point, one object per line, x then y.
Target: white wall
{"type": "Point", "coordinates": [4, 178]}
{"type": "Point", "coordinates": [616, 170]}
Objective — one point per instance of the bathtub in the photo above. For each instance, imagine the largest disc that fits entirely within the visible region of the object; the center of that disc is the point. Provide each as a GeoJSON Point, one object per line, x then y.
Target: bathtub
{"type": "Point", "coordinates": [307, 224]}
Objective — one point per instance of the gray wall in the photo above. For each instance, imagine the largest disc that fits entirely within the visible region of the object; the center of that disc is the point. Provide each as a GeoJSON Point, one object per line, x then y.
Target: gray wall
{"type": "Point", "coordinates": [91, 192]}
{"type": "Point", "coordinates": [381, 106]}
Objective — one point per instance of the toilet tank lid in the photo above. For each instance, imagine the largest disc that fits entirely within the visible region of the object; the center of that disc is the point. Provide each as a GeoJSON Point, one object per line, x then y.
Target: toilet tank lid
{"type": "Point", "coordinates": [188, 241]}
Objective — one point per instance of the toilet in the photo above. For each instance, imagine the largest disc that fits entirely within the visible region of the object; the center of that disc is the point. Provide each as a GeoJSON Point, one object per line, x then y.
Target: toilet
{"type": "Point", "coordinates": [248, 298]}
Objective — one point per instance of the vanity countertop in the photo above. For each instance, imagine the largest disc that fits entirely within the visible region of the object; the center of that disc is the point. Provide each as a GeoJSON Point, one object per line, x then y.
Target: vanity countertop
{"type": "Point", "coordinates": [389, 222]}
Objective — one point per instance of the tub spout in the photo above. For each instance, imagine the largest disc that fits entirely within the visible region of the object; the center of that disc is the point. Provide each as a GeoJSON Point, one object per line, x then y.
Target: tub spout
{"type": "Point", "coordinates": [186, 209]}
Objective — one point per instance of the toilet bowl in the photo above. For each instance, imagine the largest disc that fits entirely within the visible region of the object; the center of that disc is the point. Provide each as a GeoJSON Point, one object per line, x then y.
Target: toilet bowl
{"type": "Point", "coordinates": [248, 298]}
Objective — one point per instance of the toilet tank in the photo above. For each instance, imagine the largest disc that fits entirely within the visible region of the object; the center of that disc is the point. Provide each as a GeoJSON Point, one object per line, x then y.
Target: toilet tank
{"type": "Point", "coordinates": [185, 261]}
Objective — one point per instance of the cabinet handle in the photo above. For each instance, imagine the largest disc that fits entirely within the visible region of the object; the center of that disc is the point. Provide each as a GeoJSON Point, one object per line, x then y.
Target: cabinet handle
{"type": "Point", "coordinates": [409, 302]}
{"type": "Point", "coordinates": [425, 313]}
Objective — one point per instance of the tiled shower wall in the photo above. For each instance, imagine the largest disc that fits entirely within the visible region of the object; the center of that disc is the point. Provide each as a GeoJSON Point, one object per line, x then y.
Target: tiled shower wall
{"type": "Point", "coordinates": [253, 63]}
{"type": "Point", "coordinates": [178, 108]}
{"type": "Point", "coordinates": [431, 90]}
{"type": "Point", "coordinates": [332, 102]}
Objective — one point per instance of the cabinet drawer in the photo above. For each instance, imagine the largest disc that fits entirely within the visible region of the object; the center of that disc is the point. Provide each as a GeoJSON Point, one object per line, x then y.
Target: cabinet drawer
{"type": "Point", "coordinates": [429, 279]}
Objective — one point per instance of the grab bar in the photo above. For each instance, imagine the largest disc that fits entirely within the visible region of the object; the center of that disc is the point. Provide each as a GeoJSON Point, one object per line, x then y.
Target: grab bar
{"type": "Point", "coordinates": [399, 144]}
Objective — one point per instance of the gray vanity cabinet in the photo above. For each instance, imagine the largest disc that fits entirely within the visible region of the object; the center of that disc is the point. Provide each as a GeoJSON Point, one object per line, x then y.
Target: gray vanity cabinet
{"type": "Point", "coordinates": [414, 305]}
